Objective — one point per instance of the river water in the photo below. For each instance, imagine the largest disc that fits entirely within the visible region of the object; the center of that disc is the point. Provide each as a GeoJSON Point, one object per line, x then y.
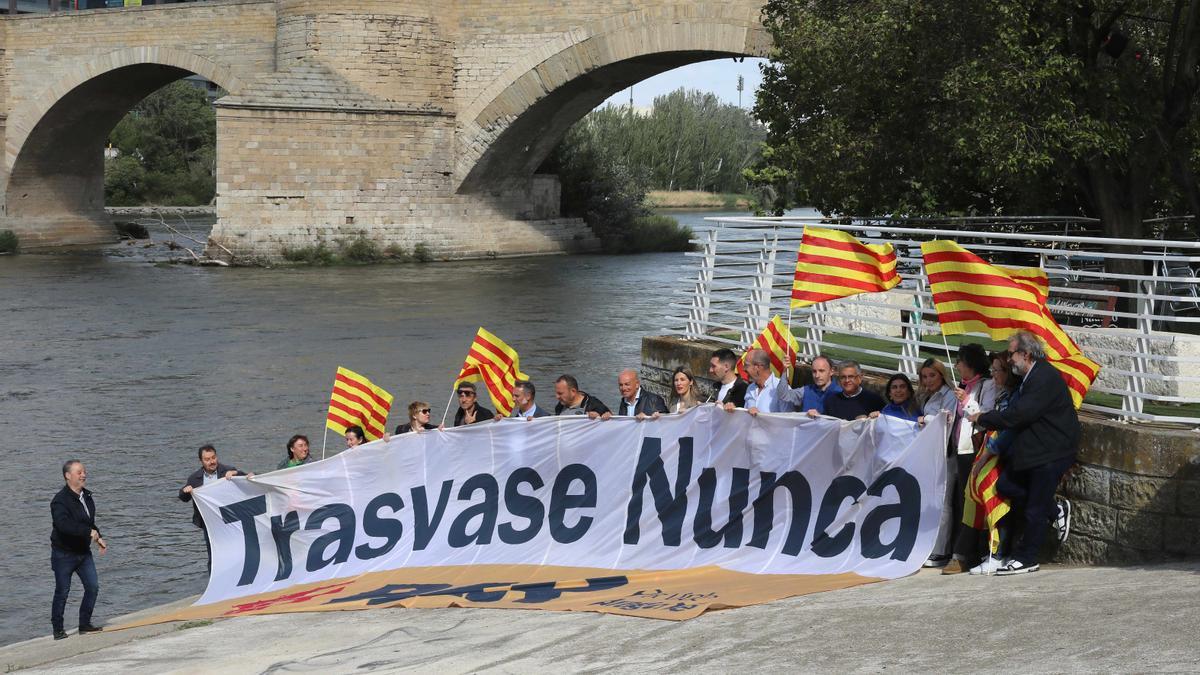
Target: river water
{"type": "Point", "coordinates": [129, 366]}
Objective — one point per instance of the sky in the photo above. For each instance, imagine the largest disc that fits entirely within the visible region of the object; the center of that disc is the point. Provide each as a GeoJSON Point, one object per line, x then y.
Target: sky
{"type": "Point", "coordinates": [718, 77]}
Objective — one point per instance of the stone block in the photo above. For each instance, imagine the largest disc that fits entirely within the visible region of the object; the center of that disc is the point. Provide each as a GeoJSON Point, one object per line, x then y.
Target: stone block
{"type": "Point", "coordinates": [1139, 530]}
{"type": "Point", "coordinates": [1082, 550]}
{"type": "Point", "coordinates": [1188, 498]}
{"type": "Point", "coordinates": [1090, 482]}
{"type": "Point", "coordinates": [1142, 493]}
{"type": "Point", "coordinates": [1093, 519]}
{"type": "Point", "coordinates": [1181, 535]}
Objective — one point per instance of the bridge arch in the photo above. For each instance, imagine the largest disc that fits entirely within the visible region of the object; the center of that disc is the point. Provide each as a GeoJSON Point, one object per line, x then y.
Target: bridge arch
{"type": "Point", "coordinates": [54, 147]}
{"type": "Point", "coordinates": [507, 130]}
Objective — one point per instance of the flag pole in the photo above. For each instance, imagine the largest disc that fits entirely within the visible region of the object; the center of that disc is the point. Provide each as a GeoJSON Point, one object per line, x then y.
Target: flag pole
{"type": "Point", "coordinates": [447, 412]}
{"type": "Point", "coordinates": [949, 360]}
{"type": "Point", "coordinates": [324, 438]}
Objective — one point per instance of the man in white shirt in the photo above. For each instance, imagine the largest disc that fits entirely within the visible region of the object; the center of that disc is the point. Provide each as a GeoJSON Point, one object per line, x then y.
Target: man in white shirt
{"type": "Point", "coordinates": [762, 394]}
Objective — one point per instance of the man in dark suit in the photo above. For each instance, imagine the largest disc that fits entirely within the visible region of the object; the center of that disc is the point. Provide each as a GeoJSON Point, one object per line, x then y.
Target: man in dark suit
{"type": "Point", "coordinates": [635, 400]}
{"type": "Point", "coordinates": [1045, 440]}
{"type": "Point", "coordinates": [210, 471]}
{"type": "Point", "coordinates": [523, 405]}
{"type": "Point", "coordinates": [722, 365]}
{"type": "Point", "coordinates": [73, 512]}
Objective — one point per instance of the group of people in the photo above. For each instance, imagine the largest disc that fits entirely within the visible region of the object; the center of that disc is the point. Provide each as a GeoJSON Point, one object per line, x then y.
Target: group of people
{"type": "Point", "coordinates": [1015, 393]}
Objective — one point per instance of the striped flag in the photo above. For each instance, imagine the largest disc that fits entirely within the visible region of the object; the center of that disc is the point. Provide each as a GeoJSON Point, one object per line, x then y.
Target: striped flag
{"type": "Point", "coordinates": [833, 264]}
{"type": "Point", "coordinates": [778, 342]}
{"type": "Point", "coordinates": [973, 296]}
{"type": "Point", "coordinates": [356, 401]}
{"type": "Point", "coordinates": [983, 506]}
{"type": "Point", "coordinates": [497, 365]}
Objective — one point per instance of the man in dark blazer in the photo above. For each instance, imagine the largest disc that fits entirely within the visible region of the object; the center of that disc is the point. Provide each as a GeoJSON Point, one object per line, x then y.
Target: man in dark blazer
{"type": "Point", "coordinates": [722, 365]}
{"type": "Point", "coordinates": [636, 401]}
{"type": "Point", "coordinates": [1045, 440]}
{"type": "Point", "coordinates": [210, 471]}
{"type": "Point", "coordinates": [523, 404]}
{"type": "Point", "coordinates": [73, 512]}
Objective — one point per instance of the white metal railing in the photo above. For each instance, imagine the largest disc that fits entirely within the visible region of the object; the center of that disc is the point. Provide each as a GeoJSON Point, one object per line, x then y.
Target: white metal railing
{"type": "Point", "coordinates": [1142, 323]}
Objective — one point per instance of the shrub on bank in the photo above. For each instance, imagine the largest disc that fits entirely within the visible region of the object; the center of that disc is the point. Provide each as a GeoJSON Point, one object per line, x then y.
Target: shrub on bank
{"type": "Point", "coordinates": [361, 250]}
{"type": "Point", "coordinates": [309, 255]}
{"type": "Point", "coordinates": [658, 234]}
{"type": "Point", "coordinates": [9, 242]}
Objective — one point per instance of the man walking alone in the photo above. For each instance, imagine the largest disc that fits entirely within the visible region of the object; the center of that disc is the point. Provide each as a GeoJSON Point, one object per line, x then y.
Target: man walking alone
{"type": "Point", "coordinates": [74, 514]}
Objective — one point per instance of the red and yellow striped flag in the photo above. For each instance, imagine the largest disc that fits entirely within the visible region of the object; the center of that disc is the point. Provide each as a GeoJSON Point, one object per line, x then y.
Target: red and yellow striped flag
{"type": "Point", "coordinates": [356, 401]}
{"type": "Point", "coordinates": [983, 506]}
{"type": "Point", "coordinates": [497, 365]}
{"type": "Point", "coordinates": [833, 264]}
{"type": "Point", "coordinates": [778, 342]}
{"type": "Point", "coordinates": [973, 296]}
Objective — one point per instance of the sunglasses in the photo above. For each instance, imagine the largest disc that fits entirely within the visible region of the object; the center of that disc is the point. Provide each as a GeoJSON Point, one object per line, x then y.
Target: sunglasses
{"type": "Point", "coordinates": [466, 392]}
{"type": "Point", "coordinates": [425, 411]}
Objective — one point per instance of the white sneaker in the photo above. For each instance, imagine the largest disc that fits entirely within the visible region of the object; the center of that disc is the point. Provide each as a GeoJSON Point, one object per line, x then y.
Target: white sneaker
{"type": "Point", "coordinates": [988, 567]}
{"type": "Point", "coordinates": [1062, 520]}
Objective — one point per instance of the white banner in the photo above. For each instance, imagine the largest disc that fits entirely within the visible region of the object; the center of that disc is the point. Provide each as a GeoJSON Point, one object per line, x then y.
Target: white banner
{"type": "Point", "coordinates": [806, 497]}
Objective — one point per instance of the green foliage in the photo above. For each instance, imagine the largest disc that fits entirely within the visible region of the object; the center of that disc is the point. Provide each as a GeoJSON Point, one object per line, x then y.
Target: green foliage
{"type": "Point", "coordinates": [9, 243]}
{"type": "Point", "coordinates": [658, 233]}
{"type": "Point", "coordinates": [310, 255]}
{"type": "Point", "coordinates": [361, 250]}
{"type": "Point", "coordinates": [914, 107]}
{"type": "Point", "coordinates": [166, 151]}
{"type": "Point", "coordinates": [688, 141]}
{"type": "Point", "coordinates": [421, 253]}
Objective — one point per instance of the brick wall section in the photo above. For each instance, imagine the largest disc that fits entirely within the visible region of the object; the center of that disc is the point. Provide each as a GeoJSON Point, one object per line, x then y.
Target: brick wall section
{"type": "Point", "coordinates": [1135, 492]}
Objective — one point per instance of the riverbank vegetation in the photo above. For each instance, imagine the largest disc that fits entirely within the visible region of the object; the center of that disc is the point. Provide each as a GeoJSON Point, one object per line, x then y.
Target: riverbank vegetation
{"type": "Point", "coordinates": [696, 199]}
{"type": "Point", "coordinates": [1012, 108]}
{"type": "Point", "coordinates": [164, 151]}
{"type": "Point", "coordinates": [9, 243]}
{"type": "Point", "coordinates": [611, 159]}
{"type": "Point", "coordinates": [356, 250]}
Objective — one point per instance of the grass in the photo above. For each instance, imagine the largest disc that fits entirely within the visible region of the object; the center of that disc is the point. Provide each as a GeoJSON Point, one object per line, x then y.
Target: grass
{"type": "Point", "coordinates": [841, 347]}
{"type": "Point", "coordinates": [9, 243]}
{"type": "Point", "coordinates": [194, 624]}
{"type": "Point", "coordinates": [695, 199]}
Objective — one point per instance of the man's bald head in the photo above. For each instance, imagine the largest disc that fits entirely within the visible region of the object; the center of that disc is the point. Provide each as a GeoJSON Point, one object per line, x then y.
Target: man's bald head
{"type": "Point", "coordinates": [628, 383]}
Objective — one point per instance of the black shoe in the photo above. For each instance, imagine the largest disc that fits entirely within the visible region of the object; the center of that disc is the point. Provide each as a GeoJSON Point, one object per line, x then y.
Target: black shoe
{"type": "Point", "coordinates": [89, 628]}
{"type": "Point", "coordinates": [60, 634]}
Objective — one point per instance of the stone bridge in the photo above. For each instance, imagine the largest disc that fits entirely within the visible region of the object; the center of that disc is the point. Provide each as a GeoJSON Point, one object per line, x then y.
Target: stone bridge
{"type": "Point", "coordinates": [406, 120]}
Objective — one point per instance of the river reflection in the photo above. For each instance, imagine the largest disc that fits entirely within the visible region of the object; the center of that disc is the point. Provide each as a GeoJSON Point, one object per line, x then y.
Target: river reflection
{"type": "Point", "coordinates": [130, 367]}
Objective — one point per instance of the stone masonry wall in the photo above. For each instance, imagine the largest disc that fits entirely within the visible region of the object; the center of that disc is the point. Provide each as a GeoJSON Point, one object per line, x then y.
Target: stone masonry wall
{"type": "Point", "coordinates": [1135, 491]}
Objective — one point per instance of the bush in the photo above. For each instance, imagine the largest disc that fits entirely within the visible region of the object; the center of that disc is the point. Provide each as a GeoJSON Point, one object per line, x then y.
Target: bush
{"type": "Point", "coordinates": [309, 255]}
{"type": "Point", "coordinates": [421, 253]}
{"type": "Point", "coordinates": [131, 229]}
{"type": "Point", "coordinates": [9, 242]}
{"type": "Point", "coordinates": [655, 234]}
{"type": "Point", "coordinates": [361, 250]}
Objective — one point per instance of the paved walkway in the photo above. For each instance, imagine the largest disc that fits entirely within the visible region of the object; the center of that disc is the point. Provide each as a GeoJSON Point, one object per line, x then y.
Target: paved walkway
{"type": "Point", "coordinates": [1057, 620]}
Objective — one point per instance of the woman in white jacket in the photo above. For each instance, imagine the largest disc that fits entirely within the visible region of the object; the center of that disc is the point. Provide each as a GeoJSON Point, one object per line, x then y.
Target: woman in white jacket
{"type": "Point", "coordinates": [937, 398]}
{"type": "Point", "coordinates": [975, 393]}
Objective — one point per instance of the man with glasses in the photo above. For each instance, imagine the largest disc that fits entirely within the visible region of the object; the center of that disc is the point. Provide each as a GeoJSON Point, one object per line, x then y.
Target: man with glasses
{"type": "Point", "coordinates": [1045, 440]}
{"type": "Point", "coordinates": [73, 512]}
{"type": "Point", "coordinates": [852, 402]}
{"type": "Point", "coordinates": [469, 411]}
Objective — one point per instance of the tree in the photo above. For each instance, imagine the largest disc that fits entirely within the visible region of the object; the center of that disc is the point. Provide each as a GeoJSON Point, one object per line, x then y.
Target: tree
{"type": "Point", "coordinates": [166, 150]}
{"type": "Point", "coordinates": [914, 107]}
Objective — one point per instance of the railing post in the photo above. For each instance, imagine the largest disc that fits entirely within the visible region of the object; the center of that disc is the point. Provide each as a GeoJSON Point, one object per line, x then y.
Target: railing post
{"type": "Point", "coordinates": [910, 351]}
{"type": "Point", "coordinates": [1132, 402]}
{"type": "Point", "coordinates": [697, 323]}
{"type": "Point", "coordinates": [760, 292]}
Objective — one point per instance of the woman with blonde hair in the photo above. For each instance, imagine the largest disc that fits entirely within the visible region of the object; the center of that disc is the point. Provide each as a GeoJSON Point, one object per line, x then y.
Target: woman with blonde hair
{"type": "Point", "coordinates": [937, 398]}
{"type": "Point", "coordinates": [683, 391]}
{"type": "Point", "coordinates": [418, 418]}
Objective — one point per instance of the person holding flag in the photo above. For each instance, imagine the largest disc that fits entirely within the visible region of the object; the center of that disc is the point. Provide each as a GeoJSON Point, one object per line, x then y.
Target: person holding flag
{"type": "Point", "coordinates": [1045, 441]}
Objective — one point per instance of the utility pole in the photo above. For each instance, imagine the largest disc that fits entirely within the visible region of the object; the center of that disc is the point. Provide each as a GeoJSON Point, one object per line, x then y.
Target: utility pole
{"type": "Point", "coordinates": [741, 86]}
